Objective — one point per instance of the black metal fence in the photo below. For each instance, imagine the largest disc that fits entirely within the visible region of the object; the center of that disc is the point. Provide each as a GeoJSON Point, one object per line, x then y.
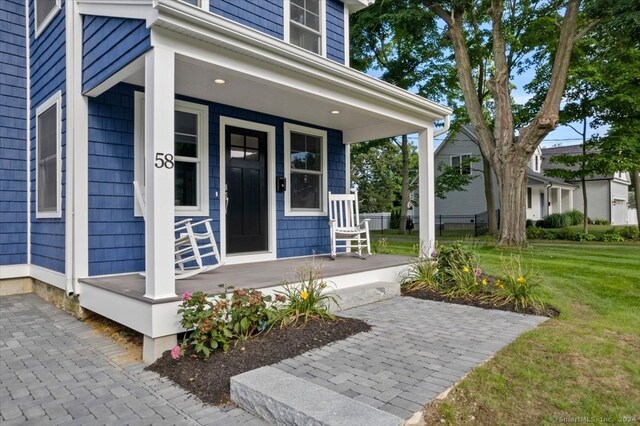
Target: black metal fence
{"type": "Point", "coordinates": [446, 225]}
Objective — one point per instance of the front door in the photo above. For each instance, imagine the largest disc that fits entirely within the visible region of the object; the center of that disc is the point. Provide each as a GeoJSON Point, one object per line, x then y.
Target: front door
{"type": "Point", "coordinates": [246, 176]}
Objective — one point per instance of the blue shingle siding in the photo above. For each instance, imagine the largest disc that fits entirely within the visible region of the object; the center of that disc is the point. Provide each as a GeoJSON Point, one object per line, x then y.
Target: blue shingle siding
{"type": "Point", "coordinates": [335, 30]}
{"type": "Point", "coordinates": [13, 134]}
{"type": "Point", "coordinates": [263, 15]}
{"type": "Point", "coordinates": [108, 44]}
{"type": "Point", "coordinates": [47, 78]}
{"type": "Point", "coordinates": [116, 237]}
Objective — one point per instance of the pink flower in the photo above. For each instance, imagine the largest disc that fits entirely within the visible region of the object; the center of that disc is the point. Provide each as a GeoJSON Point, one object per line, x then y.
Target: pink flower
{"type": "Point", "coordinates": [477, 272]}
{"type": "Point", "coordinates": [433, 253]}
{"type": "Point", "coordinates": [176, 352]}
{"type": "Point", "coordinates": [186, 296]}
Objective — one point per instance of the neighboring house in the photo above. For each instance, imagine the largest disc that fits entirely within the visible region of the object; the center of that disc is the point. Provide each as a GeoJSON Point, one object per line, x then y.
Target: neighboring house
{"type": "Point", "coordinates": [607, 195]}
{"type": "Point", "coordinates": [204, 103]}
{"type": "Point", "coordinates": [545, 195]}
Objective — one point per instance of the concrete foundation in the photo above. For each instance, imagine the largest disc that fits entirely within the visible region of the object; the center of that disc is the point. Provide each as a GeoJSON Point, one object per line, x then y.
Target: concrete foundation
{"type": "Point", "coordinates": [351, 297]}
{"type": "Point", "coordinates": [153, 349]}
{"type": "Point", "coordinates": [12, 286]}
{"type": "Point", "coordinates": [58, 298]}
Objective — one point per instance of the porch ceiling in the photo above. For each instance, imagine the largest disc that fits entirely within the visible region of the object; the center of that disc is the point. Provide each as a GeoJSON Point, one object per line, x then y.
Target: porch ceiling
{"type": "Point", "coordinates": [265, 74]}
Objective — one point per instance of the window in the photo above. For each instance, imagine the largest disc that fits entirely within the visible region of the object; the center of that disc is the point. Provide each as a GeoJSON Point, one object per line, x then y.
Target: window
{"type": "Point", "coordinates": [528, 197]}
{"type": "Point", "coordinates": [45, 11]}
{"type": "Point", "coordinates": [462, 162]}
{"type": "Point", "coordinates": [191, 174]}
{"type": "Point", "coordinates": [306, 23]}
{"type": "Point", "coordinates": [48, 171]}
{"type": "Point", "coordinates": [305, 151]}
{"type": "Point", "coordinates": [536, 163]}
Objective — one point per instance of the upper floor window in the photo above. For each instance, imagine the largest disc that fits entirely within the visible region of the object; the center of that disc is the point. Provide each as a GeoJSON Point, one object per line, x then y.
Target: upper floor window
{"type": "Point", "coordinates": [203, 4]}
{"type": "Point", "coordinates": [463, 162]}
{"type": "Point", "coordinates": [48, 176]}
{"type": "Point", "coordinates": [535, 163]}
{"type": "Point", "coordinates": [306, 24]}
{"type": "Point", "coordinates": [45, 11]}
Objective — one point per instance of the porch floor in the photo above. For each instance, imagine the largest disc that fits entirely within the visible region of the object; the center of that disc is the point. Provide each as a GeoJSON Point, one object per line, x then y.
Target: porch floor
{"type": "Point", "coordinates": [249, 275]}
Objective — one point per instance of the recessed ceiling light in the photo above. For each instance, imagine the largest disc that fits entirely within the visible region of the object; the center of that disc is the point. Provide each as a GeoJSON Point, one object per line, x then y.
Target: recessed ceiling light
{"type": "Point", "coordinates": [219, 81]}
{"type": "Point", "coordinates": [335, 111]}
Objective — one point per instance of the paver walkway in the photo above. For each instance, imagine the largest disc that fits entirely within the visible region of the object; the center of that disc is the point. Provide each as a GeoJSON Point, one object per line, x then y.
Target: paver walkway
{"type": "Point", "coordinates": [54, 369]}
{"type": "Point", "coordinates": [415, 350]}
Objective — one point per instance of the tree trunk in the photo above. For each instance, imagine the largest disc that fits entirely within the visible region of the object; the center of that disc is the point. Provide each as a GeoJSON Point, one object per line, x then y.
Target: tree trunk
{"type": "Point", "coordinates": [489, 197]}
{"type": "Point", "coordinates": [405, 184]}
{"type": "Point", "coordinates": [585, 210]}
{"type": "Point", "coordinates": [635, 176]}
{"type": "Point", "coordinates": [512, 180]}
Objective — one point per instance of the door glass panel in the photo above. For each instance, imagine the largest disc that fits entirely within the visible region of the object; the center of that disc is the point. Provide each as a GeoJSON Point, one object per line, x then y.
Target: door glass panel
{"type": "Point", "coordinates": [305, 191]}
{"type": "Point", "coordinates": [186, 184]}
{"type": "Point", "coordinates": [237, 140]}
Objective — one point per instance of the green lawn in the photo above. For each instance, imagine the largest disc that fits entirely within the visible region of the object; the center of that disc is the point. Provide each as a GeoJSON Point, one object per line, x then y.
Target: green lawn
{"type": "Point", "coordinates": [583, 364]}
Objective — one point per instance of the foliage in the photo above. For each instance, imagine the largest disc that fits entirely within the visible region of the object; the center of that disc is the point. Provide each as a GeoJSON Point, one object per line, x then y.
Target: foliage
{"type": "Point", "coordinates": [598, 221]}
{"type": "Point", "coordinates": [306, 300]}
{"type": "Point", "coordinates": [519, 285]}
{"type": "Point", "coordinates": [556, 220]}
{"type": "Point", "coordinates": [529, 223]}
{"type": "Point", "coordinates": [611, 236]}
{"type": "Point", "coordinates": [565, 234]}
{"type": "Point", "coordinates": [453, 258]}
{"type": "Point", "coordinates": [451, 180]}
{"type": "Point", "coordinates": [630, 233]}
{"type": "Point", "coordinates": [536, 233]}
{"type": "Point", "coordinates": [421, 274]}
{"type": "Point", "coordinates": [394, 221]}
{"type": "Point", "coordinates": [381, 246]}
{"type": "Point", "coordinates": [217, 321]}
{"type": "Point", "coordinates": [581, 236]}
{"type": "Point", "coordinates": [575, 217]}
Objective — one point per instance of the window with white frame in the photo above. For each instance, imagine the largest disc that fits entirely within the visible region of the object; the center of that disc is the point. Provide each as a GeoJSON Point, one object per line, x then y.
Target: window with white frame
{"type": "Point", "coordinates": [462, 162]}
{"type": "Point", "coordinates": [305, 161]}
{"type": "Point", "coordinates": [48, 171]}
{"type": "Point", "coordinates": [529, 195]}
{"type": "Point", "coordinates": [202, 4]}
{"type": "Point", "coordinates": [306, 24]}
{"type": "Point", "coordinates": [45, 10]}
{"type": "Point", "coordinates": [191, 147]}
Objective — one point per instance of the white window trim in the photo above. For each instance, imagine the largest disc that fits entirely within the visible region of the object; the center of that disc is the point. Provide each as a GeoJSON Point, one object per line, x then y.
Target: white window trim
{"type": "Point", "coordinates": [288, 211]}
{"type": "Point", "coordinates": [47, 20]}
{"type": "Point", "coordinates": [56, 99]}
{"type": "Point", "coordinates": [202, 4]}
{"type": "Point", "coordinates": [203, 153]}
{"type": "Point", "coordinates": [460, 156]}
{"type": "Point", "coordinates": [323, 27]}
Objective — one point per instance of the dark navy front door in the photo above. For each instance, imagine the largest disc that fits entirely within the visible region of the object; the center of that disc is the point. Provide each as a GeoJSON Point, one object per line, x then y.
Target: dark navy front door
{"type": "Point", "coordinates": [246, 164]}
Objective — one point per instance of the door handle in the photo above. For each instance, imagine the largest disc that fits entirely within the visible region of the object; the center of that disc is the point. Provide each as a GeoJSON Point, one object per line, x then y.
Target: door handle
{"type": "Point", "coordinates": [226, 197]}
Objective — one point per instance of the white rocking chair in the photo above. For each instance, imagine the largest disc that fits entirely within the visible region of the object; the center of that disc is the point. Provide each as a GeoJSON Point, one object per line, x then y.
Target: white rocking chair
{"type": "Point", "coordinates": [193, 242]}
{"type": "Point", "coordinates": [345, 225]}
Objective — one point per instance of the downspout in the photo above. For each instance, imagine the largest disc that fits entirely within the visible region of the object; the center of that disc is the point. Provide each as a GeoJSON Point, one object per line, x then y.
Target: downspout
{"type": "Point", "coordinates": [28, 69]}
{"type": "Point", "coordinates": [70, 148]}
{"type": "Point", "coordinates": [548, 195]}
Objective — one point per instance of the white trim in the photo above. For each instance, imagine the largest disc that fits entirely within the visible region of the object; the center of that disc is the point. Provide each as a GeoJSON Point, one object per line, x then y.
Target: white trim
{"type": "Point", "coordinates": [120, 75]}
{"type": "Point", "coordinates": [55, 99]}
{"type": "Point", "coordinates": [460, 165]}
{"type": "Point", "coordinates": [270, 254]}
{"type": "Point", "coordinates": [323, 26]}
{"type": "Point", "coordinates": [347, 37]}
{"type": "Point", "coordinates": [47, 20]}
{"type": "Point", "coordinates": [8, 272]}
{"type": "Point", "coordinates": [132, 9]}
{"type": "Point", "coordinates": [288, 211]}
{"type": "Point", "coordinates": [28, 142]}
{"type": "Point", "coordinates": [426, 190]}
{"type": "Point", "coordinates": [48, 276]}
{"type": "Point", "coordinates": [202, 111]}
{"type": "Point", "coordinates": [347, 169]}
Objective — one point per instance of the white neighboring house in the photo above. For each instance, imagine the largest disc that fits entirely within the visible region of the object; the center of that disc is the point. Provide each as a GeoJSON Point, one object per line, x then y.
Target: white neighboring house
{"type": "Point", "coordinates": [607, 195]}
{"type": "Point", "coordinates": [545, 195]}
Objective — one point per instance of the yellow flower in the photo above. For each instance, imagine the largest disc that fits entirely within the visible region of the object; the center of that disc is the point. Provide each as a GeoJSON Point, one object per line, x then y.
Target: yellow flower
{"type": "Point", "coordinates": [465, 269]}
{"type": "Point", "coordinates": [484, 281]}
{"type": "Point", "coordinates": [520, 280]}
{"type": "Point", "coordinates": [304, 295]}
{"type": "Point", "coordinates": [499, 284]}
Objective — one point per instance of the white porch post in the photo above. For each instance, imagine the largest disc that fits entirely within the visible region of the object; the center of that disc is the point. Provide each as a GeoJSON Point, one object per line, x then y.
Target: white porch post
{"type": "Point", "coordinates": [570, 199]}
{"type": "Point", "coordinates": [159, 172]}
{"type": "Point", "coordinates": [559, 197]}
{"type": "Point", "coordinates": [426, 188]}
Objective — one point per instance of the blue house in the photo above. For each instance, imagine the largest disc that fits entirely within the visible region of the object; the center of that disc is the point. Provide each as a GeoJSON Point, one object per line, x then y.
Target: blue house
{"type": "Point", "coordinates": [204, 103]}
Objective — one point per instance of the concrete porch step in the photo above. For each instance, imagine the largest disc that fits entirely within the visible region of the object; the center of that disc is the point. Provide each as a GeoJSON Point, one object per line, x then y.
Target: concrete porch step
{"type": "Point", "coordinates": [363, 294]}
{"type": "Point", "coordinates": [283, 399]}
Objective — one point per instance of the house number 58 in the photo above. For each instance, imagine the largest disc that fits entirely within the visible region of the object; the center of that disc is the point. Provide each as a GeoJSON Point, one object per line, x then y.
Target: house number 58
{"type": "Point", "coordinates": [164, 160]}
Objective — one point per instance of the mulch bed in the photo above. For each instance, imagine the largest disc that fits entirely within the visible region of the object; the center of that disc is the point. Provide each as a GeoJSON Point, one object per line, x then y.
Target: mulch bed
{"type": "Point", "coordinates": [209, 379]}
{"type": "Point", "coordinates": [426, 294]}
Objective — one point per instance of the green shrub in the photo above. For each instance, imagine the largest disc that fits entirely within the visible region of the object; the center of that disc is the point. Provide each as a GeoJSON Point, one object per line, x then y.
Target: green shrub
{"type": "Point", "coordinates": [556, 220]}
{"type": "Point", "coordinates": [217, 321]}
{"type": "Point", "coordinates": [599, 222]}
{"type": "Point", "coordinates": [421, 274]}
{"type": "Point", "coordinates": [540, 223]}
{"type": "Point", "coordinates": [581, 236]}
{"type": "Point", "coordinates": [306, 300]}
{"type": "Point", "coordinates": [630, 233]}
{"type": "Point", "coordinates": [611, 236]}
{"type": "Point", "coordinates": [519, 285]}
{"type": "Point", "coordinates": [576, 217]}
{"type": "Point", "coordinates": [529, 223]}
{"type": "Point", "coordinates": [454, 257]}
{"type": "Point", "coordinates": [535, 233]}
{"type": "Point", "coordinates": [381, 246]}
{"type": "Point", "coordinates": [565, 234]}
{"type": "Point", "coordinates": [394, 221]}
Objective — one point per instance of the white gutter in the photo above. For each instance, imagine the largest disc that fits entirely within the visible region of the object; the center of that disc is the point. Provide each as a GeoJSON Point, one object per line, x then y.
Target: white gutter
{"type": "Point", "coordinates": [445, 129]}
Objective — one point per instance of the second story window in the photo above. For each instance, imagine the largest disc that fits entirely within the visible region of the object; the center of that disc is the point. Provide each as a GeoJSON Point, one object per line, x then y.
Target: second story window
{"type": "Point", "coordinates": [463, 162]}
{"type": "Point", "coordinates": [45, 12]}
{"type": "Point", "coordinates": [305, 24]}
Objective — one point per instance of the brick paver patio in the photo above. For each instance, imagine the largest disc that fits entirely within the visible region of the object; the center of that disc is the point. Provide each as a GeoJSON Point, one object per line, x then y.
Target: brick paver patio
{"type": "Point", "coordinates": [416, 350]}
{"type": "Point", "coordinates": [54, 369]}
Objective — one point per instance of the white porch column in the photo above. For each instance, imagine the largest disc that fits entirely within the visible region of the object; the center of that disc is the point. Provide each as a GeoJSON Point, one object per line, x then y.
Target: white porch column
{"type": "Point", "coordinates": [426, 188]}
{"type": "Point", "coordinates": [559, 197]}
{"type": "Point", "coordinates": [159, 172]}
{"type": "Point", "coordinates": [570, 199]}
